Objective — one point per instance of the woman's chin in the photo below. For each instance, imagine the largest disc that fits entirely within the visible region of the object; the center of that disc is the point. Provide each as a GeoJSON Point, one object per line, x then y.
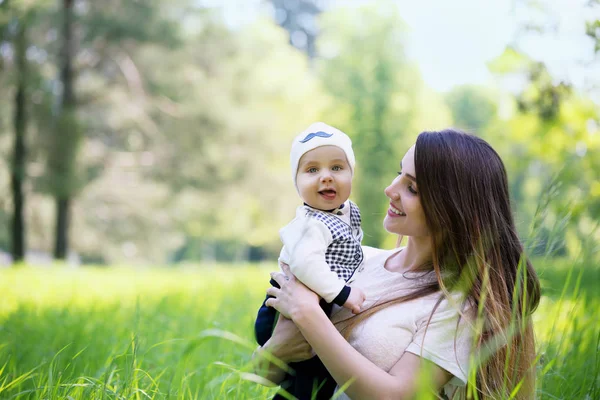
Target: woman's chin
{"type": "Point", "coordinates": [390, 226]}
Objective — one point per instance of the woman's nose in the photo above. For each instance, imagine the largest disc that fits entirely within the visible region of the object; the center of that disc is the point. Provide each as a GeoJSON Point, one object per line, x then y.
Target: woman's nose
{"type": "Point", "coordinates": [391, 192]}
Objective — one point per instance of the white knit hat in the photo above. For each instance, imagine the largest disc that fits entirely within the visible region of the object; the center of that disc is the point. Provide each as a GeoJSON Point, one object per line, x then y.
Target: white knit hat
{"type": "Point", "coordinates": [317, 135]}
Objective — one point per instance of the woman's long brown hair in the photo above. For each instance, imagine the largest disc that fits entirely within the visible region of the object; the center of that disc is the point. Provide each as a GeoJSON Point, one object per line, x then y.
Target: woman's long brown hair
{"type": "Point", "coordinates": [463, 190]}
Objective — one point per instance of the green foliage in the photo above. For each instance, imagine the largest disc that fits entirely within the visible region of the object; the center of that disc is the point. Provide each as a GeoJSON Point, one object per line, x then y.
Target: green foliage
{"type": "Point", "coordinates": [225, 143]}
{"type": "Point", "coordinates": [374, 90]}
{"type": "Point", "coordinates": [473, 108]}
{"type": "Point", "coordinates": [120, 333]}
{"type": "Point", "coordinates": [592, 28]}
{"type": "Point", "coordinates": [111, 23]}
{"type": "Point", "coordinates": [187, 333]}
{"type": "Point", "coordinates": [510, 61]}
{"type": "Point", "coordinates": [550, 140]}
{"type": "Point", "coordinates": [174, 115]}
{"type": "Point", "coordinates": [64, 179]}
{"type": "Point", "coordinates": [183, 125]}
{"type": "Point", "coordinates": [567, 330]}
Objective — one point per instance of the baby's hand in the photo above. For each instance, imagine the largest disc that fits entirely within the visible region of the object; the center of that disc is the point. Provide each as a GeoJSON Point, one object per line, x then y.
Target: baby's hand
{"type": "Point", "coordinates": [355, 300]}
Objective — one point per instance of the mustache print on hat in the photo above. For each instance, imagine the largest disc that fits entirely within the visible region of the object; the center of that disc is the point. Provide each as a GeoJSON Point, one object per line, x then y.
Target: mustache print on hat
{"type": "Point", "coordinates": [315, 134]}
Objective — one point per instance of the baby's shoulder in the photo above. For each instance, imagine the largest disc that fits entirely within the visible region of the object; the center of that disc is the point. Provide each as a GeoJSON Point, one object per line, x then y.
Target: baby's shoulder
{"type": "Point", "coordinates": [305, 222]}
{"type": "Point", "coordinates": [352, 204]}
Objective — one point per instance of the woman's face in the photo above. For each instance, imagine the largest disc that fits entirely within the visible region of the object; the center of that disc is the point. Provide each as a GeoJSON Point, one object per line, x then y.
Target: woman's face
{"type": "Point", "coordinates": [405, 215]}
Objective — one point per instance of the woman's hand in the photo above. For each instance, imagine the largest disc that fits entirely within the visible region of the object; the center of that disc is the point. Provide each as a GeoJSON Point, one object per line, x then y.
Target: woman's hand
{"type": "Point", "coordinates": [293, 298]}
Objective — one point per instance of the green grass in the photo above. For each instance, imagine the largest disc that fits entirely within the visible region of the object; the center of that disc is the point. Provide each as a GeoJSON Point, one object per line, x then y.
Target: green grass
{"type": "Point", "coordinates": [122, 333]}
{"type": "Point", "coordinates": [567, 327]}
{"type": "Point", "coordinates": [127, 334]}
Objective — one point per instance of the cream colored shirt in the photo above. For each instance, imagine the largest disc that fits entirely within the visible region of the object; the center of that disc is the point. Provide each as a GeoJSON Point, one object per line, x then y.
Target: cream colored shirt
{"type": "Point", "coordinates": [399, 328]}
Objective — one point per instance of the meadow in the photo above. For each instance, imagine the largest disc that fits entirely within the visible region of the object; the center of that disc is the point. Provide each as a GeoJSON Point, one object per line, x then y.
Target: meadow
{"type": "Point", "coordinates": [186, 333]}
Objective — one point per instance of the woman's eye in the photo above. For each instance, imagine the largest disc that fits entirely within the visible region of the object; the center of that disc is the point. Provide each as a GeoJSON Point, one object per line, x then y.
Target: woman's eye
{"type": "Point", "coordinates": [399, 173]}
{"type": "Point", "coordinates": [411, 189]}
{"type": "Point", "coordinates": [312, 170]}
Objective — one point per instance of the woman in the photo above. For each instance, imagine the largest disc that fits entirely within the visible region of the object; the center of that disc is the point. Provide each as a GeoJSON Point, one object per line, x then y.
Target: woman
{"type": "Point", "coordinates": [457, 299]}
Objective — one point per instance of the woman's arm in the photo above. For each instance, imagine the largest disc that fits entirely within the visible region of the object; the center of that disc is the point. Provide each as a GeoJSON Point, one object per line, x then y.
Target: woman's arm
{"type": "Point", "coordinates": [285, 345]}
{"type": "Point", "coordinates": [265, 368]}
{"type": "Point", "coordinates": [344, 363]}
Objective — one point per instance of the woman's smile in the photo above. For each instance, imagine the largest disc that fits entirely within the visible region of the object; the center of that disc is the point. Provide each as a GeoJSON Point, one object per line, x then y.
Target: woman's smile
{"type": "Point", "coordinates": [394, 212]}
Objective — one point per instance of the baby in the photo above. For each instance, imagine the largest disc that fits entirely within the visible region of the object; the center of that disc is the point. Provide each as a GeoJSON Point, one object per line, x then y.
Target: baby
{"type": "Point", "coordinates": [322, 245]}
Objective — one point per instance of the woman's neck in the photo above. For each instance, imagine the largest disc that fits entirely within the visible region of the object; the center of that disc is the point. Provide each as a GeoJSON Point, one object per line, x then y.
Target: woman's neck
{"type": "Point", "coordinates": [413, 257]}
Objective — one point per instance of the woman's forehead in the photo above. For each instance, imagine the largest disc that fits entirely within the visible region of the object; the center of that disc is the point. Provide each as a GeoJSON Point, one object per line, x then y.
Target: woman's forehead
{"type": "Point", "coordinates": [408, 161]}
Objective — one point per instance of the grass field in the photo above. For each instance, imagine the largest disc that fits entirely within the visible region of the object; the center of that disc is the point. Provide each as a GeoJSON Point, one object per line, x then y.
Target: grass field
{"type": "Point", "coordinates": [186, 333]}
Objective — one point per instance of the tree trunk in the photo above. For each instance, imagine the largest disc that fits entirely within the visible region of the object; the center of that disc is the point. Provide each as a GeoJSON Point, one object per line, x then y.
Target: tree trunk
{"type": "Point", "coordinates": [62, 228]}
{"type": "Point", "coordinates": [67, 108]}
{"type": "Point", "coordinates": [19, 151]}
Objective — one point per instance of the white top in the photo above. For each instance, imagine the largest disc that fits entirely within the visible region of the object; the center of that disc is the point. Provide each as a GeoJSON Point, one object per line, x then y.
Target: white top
{"type": "Point", "coordinates": [399, 328]}
{"type": "Point", "coordinates": [305, 241]}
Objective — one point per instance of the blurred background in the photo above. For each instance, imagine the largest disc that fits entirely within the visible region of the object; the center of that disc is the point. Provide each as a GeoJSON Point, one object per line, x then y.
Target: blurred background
{"type": "Point", "coordinates": [157, 132]}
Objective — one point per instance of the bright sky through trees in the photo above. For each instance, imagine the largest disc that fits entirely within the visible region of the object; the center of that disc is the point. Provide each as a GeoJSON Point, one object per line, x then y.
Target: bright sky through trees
{"type": "Point", "coordinates": [452, 40]}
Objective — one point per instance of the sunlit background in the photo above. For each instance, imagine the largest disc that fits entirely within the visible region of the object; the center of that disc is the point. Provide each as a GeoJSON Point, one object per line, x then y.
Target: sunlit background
{"type": "Point", "coordinates": [161, 133]}
{"type": "Point", "coordinates": [144, 170]}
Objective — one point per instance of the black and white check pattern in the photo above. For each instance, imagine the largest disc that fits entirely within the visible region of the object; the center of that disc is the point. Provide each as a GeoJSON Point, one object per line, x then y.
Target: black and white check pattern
{"type": "Point", "coordinates": [344, 254]}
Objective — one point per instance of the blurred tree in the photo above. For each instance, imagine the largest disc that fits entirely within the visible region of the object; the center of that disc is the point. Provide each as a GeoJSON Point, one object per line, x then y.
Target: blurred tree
{"type": "Point", "coordinates": [106, 37]}
{"type": "Point", "coordinates": [22, 63]}
{"type": "Point", "coordinates": [189, 144]}
{"type": "Point", "coordinates": [181, 129]}
{"type": "Point", "coordinates": [543, 97]}
{"type": "Point", "coordinates": [592, 28]}
{"type": "Point", "coordinates": [67, 137]}
{"type": "Point", "coordinates": [226, 154]}
{"type": "Point", "coordinates": [548, 135]}
{"type": "Point", "coordinates": [375, 94]}
{"type": "Point", "coordinates": [299, 18]}
{"type": "Point", "coordinates": [14, 28]}
{"type": "Point", "coordinates": [473, 107]}
{"type": "Point", "coordinates": [19, 153]}
{"type": "Point", "coordinates": [18, 19]}
{"type": "Point", "coordinates": [552, 139]}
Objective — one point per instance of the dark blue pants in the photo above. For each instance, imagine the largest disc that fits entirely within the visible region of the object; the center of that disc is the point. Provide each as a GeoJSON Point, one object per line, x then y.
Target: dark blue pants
{"type": "Point", "coordinates": [310, 375]}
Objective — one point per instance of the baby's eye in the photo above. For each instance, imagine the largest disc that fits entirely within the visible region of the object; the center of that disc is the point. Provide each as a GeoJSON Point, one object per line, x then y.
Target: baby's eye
{"type": "Point", "coordinates": [312, 170]}
{"type": "Point", "coordinates": [337, 168]}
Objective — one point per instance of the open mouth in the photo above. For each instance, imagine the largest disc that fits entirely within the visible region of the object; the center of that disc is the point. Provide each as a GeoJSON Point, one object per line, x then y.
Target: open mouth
{"type": "Point", "coordinates": [328, 194]}
{"type": "Point", "coordinates": [394, 210]}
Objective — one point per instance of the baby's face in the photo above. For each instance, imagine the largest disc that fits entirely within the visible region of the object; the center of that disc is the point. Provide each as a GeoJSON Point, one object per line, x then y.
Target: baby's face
{"type": "Point", "coordinates": [324, 177]}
